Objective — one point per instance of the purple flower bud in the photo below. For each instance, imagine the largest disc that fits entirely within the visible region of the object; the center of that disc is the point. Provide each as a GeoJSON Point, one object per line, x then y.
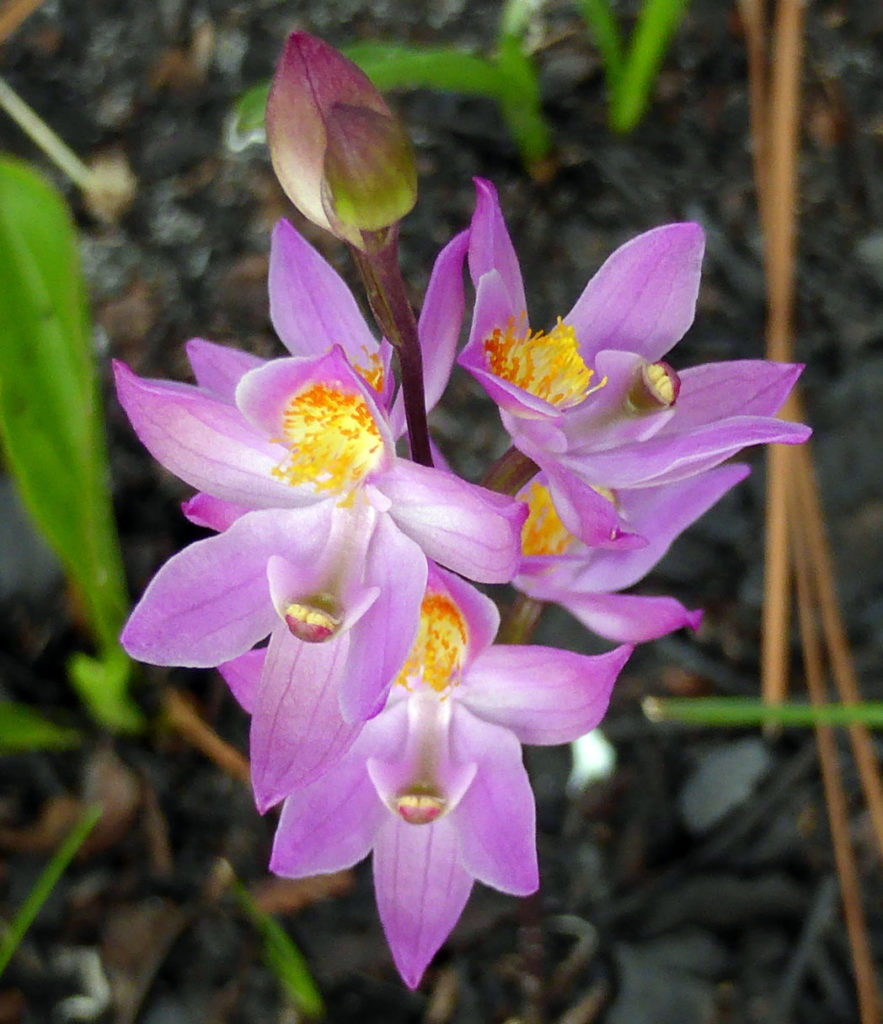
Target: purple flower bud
{"type": "Point", "coordinates": [341, 155]}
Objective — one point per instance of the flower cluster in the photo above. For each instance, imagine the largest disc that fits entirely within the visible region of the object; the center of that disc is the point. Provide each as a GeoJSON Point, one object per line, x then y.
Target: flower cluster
{"type": "Point", "coordinates": [334, 594]}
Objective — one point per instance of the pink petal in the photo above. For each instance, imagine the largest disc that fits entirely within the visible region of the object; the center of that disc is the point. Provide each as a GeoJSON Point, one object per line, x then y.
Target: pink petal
{"type": "Point", "coordinates": [442, 317]}
{"type": "Point", "coordinates": [627, 618]}
{"type": "Point", "coordinates": [466, 528]}
{"type": "Point", "coordinates": [587, 514]}
{"type": "Point", "coordinates": [206, 442]}
{"type": "Point", "coordinates": [490, 247]}
{"type": "Point", "coordinates": [421, 888]}
{"type": "Point", "coordinates": [243, 676]}
{"type": "Point", "coordinates": [644, 296]}
{"type": "Point", "coordinates": [496, 818]}
{"type": "Point", "coordinates": [218, 368]}
{"type": "Point", "coordinates": [330, 824]}
{"type": "Point", "coordinates": [542, 694]}
{"type": "Point", "coordinates": [480, 612]}
{"type": "Point", "coordinates": [311, 307]}
{"type": "Point", "coordinates": [214, 514]}
{"type": "Point", "coordinates": [297, 732]}
{"type": "Point", "coordinates": [211, 602]}
{"type": "Point", "coordinates": [744, 387]}
{"type": "Point", "coordinates": [384, 635]}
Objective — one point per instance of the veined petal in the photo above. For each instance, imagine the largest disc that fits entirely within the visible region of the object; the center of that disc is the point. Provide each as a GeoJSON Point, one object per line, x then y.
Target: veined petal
{"type": "Point", "coordinates": [742, 387]}
{"type": "Point", "coordinates": [490, 247]}
{"type": "Point", "coordinates": [466, 528]}
{"type": "Point", "coordinates": [311, 307]}
{"type": "Point", "coordinates": [219, 368]}
{"type": "Point", "coordinates": [331, 823]}
{"type": "Point", "coordinates": [661, 514]}
{"type": "Point", "coordinates": [421, 888]}
{"type": "Point", "coordinates": [644, 296]}
{"type": "Point", "coordinates": [211, 602]}
{"type": "Point", "coordinates": [623, 618]}
{"type": "Point", "coordinates": [383, 636]}
{"type": "Point", "coordinates": [206, 442]}
{"type": "Point", "coordinates": [496, 818]}
{"type": "Point", "coordinates": [542, 694]}
{"type": "Point", "coordinates": [243, 676]}
{"type": "Point", "coordinates": [214, 514]}
{"type": "Point", "coordinates": [297, 731]}
{"type": "Point", "coordinates": [667, 457]}
{"type": "Point", "coordinates": [587, 514]}
{"type": "Point", "coordinates": [441, 317]}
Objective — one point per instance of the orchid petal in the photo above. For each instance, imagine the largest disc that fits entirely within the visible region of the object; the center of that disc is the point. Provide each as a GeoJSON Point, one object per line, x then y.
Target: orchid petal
{"type": "Point", "coordinates": [297, 732]}
{"type": "Point", "coordinates": [544, 695]}
{"type": "Point", "coordinates": [441, 317]}
{"type": "Point", "coordinates": [212, 513]}
{"type": "Point", "coordinates": [210, 602]}
{"type": "Point", "coordinates": [587, 514]}
{"type": "Point", "coordinates": [496, 818]}
{"type": "Point", "coordinates": [626, 618]}
{"type": "Point", "coordinates": [310, 305]}
{"type": "Point", "coordinates": [644, 296]}
{"type": "Point", "coordinates": [243, 676]}
{"type": "Point", "coordinates": [490, 247]}
{"type": "Point", "coordinates": [384, 635]}
{"type": "Point", "coordinates": [421, 887]}
{"type": "Point", "coordinates": [480, 613]}
{"type": "Point", "coordinates": [743, 387]}
{"type": "Point", "coordinates": [206, 442]}
{"type": "Point", "coordinates": [218, 368]}
{"type": "Point", "coordinates": [466, 528]}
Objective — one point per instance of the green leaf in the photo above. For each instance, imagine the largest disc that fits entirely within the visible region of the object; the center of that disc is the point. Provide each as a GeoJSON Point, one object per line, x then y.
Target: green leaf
{"type": "Point", "coordinates": [23, 729]}
{"type": "Point", "coordinates": [12, 936]}
{"type": "Point", "coordinates": [283, 958]}
{"type": "Point", "coordinates": [602, 25]}
{"type": "Point", "coordinates": [739, 711]}
{"type": "Point", "coordinates": [657, 23]}
{"type": "Point", "coordinates": [395, 66]}
{"type": "Point", "coordinates": [51, 421]}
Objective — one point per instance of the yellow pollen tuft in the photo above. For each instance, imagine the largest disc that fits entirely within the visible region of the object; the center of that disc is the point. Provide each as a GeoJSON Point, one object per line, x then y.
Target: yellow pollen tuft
{"type": "Point", "coordinates": [543, 532]}
{"type": "Point", "coordinates": [547, 366]}
{"type": "Point", "coordinates": [372, 373]}
{"type": "Point", "coordinates": [656, 386]}
{"type": "Point", "coordinates": [437, 654]}
{"type": "Point", "coordinates": [333, 440]}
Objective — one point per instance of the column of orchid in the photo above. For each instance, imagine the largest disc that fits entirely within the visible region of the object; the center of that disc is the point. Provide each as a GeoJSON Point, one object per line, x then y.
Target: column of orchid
{"type": "Point", "coordinates": [335, 595]}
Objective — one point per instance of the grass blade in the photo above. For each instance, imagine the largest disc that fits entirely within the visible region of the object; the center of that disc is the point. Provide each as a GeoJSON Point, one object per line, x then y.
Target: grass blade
{"type": "Point", "coordinates": [738, 711]}
{"type": "Point", "coordinates": [12, 936]}
{"type": "Point", "coordinates": [22, 729]}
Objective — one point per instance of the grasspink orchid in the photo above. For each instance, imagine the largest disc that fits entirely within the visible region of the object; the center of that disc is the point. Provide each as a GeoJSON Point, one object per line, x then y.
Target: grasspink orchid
{"type": "Point", "coordinates": [325, 530]}
{"type": "Point", "coordinates": [592, 402]}
{"type": "Point", "coordinates": [558, 567]}
{"type": "Point", "coordinates": [435, 785]}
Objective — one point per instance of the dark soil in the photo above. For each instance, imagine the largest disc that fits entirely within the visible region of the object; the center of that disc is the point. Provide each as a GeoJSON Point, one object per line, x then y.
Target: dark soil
{"type": "Point", "coordinates": [697, 883]}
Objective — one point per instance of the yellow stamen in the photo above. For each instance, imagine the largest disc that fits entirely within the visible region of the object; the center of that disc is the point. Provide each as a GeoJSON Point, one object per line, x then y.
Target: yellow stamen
{"type": "Point", "coordinates": [372, 373]}
{"type": "Point", "coordinates": [543, 532]}
{"type": "Point", "coordinates": [420, 806]}
{"type": "Point", "coordinates": [438, 651]}
{"type": "Point", "coordinates": [332, 437]}
{"type": "Point", "coordinates": [547, 366]}
{"type": "Point", "coordinates": [655, 387]}
{"type": "Point", "coordinates": [312, 622]}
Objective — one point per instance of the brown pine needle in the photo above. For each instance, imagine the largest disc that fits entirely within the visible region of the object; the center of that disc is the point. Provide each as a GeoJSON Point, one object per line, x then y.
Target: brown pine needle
{"type": "Point", "coordinates": [184, 720]}
{"type": "Point", "coordinates": [835, 796]}
{"type": "Point", "coordinates": [13, 13]}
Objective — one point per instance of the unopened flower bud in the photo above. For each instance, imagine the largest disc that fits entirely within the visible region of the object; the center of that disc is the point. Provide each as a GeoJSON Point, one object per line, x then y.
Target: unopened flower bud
{"type": "Point", "coordinates": [341, 155]}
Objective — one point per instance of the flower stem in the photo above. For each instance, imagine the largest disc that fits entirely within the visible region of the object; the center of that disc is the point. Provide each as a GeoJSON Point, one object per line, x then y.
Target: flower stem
{"type": "Point", "coordinates": [510, 472]}
{"type": "Point", "coordinates": [40, 133]}
{"type": "Point", "coordinates": [379, 267]}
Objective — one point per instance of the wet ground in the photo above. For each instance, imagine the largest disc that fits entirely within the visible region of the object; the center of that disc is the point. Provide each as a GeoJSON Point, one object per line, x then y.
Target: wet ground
{"type": "Point", "coordinates": [695, 884]}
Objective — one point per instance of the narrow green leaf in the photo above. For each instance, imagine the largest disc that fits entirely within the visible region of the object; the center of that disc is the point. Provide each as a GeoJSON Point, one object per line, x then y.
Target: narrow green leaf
{"type": "Point", "coordinates": [657, 23]}
{"type": "Point", "coordinates": [12, 936]}
{"type": "Point", "coordinates": [23, 729]}
{"type": "Point", "coordinates": [51, 423]}
{"type": "Point", "coordinates": [739, 711]}
{"type": "Point", "coordinates": [602, 26]}
{"type": "Point", "coordinates": [521, 102]}
{"type": "Point", "coordinates": [283, 958]}
{"type": "Point", "coordinates": [395, 66]}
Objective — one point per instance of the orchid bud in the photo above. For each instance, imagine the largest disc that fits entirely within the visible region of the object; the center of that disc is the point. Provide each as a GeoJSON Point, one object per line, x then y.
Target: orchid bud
{"type": "Point", "coordinates": [341, 155]}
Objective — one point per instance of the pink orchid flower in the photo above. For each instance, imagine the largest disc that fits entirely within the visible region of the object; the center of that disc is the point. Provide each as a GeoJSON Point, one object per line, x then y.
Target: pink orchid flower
{"type": "Point", "coordinates": [435, 785]}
